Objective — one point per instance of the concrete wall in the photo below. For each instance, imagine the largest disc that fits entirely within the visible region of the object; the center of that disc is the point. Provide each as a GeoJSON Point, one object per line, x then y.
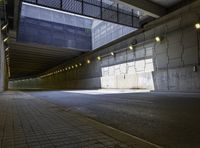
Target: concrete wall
{"type": "Point", "coordinates": [178, 79]}
{"type": "Point", "coordinates": [56, 16]}
{"type": "Point", "coordinates": [84, 77]}
{"type": "Point", "coordinates": [102, 32]}
{"type": "Point", "coordinates": [105, 32]}
{"type": "Point", "coordinates": [56, 28]}
{"type": "Point", "coordinates": [137, 74]}
{"type": "Point", "coordinates": [41, 32]}
{"type": "Point", "coordinates": [173, 59]}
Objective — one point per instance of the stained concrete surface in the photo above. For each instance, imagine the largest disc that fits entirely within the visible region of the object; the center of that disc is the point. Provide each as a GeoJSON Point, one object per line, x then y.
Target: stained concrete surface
{"type": "Point", "coordinates": [166, 119]}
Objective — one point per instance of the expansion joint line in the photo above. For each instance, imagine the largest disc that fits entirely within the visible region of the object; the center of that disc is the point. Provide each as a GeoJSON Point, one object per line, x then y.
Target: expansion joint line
{"type": "Point", "coordinates": [167, 53]}
{"type": "Point", "coordinates": [181, 40]}
{"type": "Point", "coordinates": [134, 58]}
{"type": "Point", "coordinates": [197, 33]}
{"type": "Point", "coordinates": [155, 54]}
{"type": "Point", "coordinates": [145, 52]}
{"type": "Point", "coordinates": [198, 48]}
{"type": "Point", "coordinates": [127, 67]}
{"type": "Point", "coordinates": [190, 9]}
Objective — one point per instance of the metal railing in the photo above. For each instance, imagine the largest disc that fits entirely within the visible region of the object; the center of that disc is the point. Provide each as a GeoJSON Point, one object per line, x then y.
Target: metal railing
{"type": "Point", "coordinates": [97, 9]}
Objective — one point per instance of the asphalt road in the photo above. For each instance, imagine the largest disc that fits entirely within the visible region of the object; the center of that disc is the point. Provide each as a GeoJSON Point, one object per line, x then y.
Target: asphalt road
{"type": "Point", "coordinates": [169, 120]}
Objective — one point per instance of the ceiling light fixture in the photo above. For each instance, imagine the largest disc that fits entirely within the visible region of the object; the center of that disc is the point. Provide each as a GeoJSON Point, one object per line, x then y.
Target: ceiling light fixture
{"type": "Point", "coordinates": [6, 39]}
{"type": "Point", "coordinates": [4, 27]}
{"type": "Point", "coordinates": [7, 49]}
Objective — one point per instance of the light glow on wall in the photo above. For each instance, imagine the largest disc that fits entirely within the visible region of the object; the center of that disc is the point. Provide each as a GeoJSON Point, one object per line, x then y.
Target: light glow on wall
{"type": "Point", "coordinates": [130, 75]}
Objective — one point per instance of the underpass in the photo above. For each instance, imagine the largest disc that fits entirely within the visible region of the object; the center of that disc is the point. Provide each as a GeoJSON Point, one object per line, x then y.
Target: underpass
{"type": "Point", "coordinates": [103, 73]}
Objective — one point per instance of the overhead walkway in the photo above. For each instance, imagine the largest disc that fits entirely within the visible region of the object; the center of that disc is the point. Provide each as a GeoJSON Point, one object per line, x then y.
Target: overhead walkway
{"type": "Point", "coordinates": [107, 10]}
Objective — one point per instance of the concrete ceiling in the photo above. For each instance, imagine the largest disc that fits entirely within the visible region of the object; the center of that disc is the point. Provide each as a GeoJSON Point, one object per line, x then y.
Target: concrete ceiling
{"type": "Point", "coordinates": [166, 3]}
{"type": "Point", "coordinates": [146, 6]}
{"type": "Point", "coordinates": [156, 8]}
{"type": "Point", "coordinates": [27, 60]}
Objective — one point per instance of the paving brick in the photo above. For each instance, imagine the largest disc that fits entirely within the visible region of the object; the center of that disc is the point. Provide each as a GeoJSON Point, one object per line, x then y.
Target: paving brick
{"type": "Point", "coordinates": [28, 122]}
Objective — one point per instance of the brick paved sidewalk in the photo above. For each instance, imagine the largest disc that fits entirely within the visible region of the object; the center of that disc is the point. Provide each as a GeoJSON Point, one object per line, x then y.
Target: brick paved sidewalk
{"type": "Point", "coordinates": [27, 122]}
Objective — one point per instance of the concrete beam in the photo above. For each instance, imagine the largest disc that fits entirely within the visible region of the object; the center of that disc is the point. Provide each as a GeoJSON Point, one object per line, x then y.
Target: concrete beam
{"type": "Point", "coordinates": [147, 7]}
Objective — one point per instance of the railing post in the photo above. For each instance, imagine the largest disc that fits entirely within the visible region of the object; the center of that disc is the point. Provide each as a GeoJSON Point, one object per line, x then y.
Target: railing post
{"type": "Point", "coordinates": [101, 13]}
{"type": "Point", "coordinates": [117, 12]}
{"type": "Point", "coordinates": [82, 7]}
{"type": "Point", "coordinates": [5, 12]}
{"type": "Point", "coordinates": [61, 5]}
{"type": "Point", "coordinates": [132, 18]}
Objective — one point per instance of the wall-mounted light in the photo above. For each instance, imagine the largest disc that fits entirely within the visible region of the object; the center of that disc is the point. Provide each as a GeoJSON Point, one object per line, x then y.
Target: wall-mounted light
{"type": "Point", "coordinates": [112, 54]}
{"type": "Point", "coordinates": [99, 58]}
{"type": "Point", "coordinates": [4, 27]}
{"type": "Point", "coordinates": [197, 25]}
{"type": "Point", "coordinates": [130, 47]}
{"type": "Point", "coordinates": [158, 39]}
{"type": "Point", "coordinates": [80, 64]}
{"type": "Point", "coordinates": [88, 61]}
{"type": "Point", "coordinates": [6, 39]}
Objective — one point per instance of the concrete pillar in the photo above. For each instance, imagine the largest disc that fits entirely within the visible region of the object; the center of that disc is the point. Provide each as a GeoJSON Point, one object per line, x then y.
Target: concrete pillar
{"type": "Point", "coordinates": [3, 71]}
